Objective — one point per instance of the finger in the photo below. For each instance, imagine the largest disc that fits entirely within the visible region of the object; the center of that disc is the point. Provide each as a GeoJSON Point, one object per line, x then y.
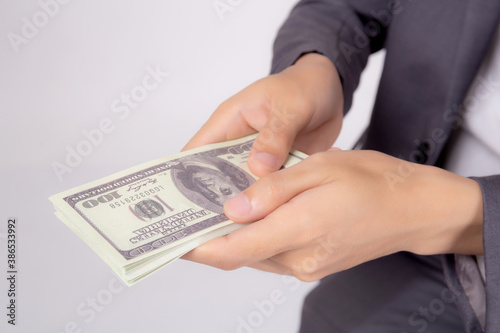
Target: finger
{"type": "Point", "coordinates": [257, 241]}
{"type": "Point", "coordinates": [274, 140]}
{"type": "Point", "coordinates": [272, 191]}
{"type": "Point", "coordinates": [320, 138]}
{"type": "Point", "coordinates": [214, 130]}
{"type": "Point", "coordinates": [302, 264]}
{"type": "Point", "coordinates": [241, 115]}
{"type": "Point", "coordinates": [319, 258]}
{"type": "Point", "coordinates": [266, 265]}
{"type": "Point", "coordinates": [270, 266]}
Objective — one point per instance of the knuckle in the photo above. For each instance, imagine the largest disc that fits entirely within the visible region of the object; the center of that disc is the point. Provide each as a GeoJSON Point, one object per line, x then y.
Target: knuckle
{"type": "Point", "coordinates": [264, 139]}
{"type": "Point", "coordinates": [321, 158]}
{"type": "Point", "coordinates": [307, 269]}
{"type": "Point", "coordinates": [226, 106]}
{"type": "Point", "coordinates": [228, 265]}
{"type": "Point", "coordinates": [277, 123]}
{"type": "Point", "coordinates": [370, 156]}
{"type": "Point", "coordinates": [275, 186]}
{"type": "Point", "coordinates": [306, 276]}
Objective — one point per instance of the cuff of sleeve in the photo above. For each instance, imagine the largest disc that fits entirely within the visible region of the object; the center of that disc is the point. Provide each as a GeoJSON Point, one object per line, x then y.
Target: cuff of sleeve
{"type": "Point", "coordinates": [302, 42]}
{"type": "Point", "coordinates": [490, 187]}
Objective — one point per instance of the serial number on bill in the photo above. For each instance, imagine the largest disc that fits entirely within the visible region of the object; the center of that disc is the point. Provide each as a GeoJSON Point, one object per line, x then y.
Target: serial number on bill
{"type": "Point", "coordinates": [135, 197]}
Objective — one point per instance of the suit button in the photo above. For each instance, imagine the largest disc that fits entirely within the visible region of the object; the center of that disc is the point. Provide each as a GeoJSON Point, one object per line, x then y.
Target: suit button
{"type": "Point", "coordinates": [421, 153]}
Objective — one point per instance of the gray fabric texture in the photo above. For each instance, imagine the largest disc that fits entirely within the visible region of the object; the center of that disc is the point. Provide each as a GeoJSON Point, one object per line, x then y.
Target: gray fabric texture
{"type": "Point", "coordinates": [400, 293]}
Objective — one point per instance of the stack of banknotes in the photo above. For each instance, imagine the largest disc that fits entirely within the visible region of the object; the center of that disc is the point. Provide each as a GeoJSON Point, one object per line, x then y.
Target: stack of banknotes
{"type": "Point", "coordinates": [143, 218]}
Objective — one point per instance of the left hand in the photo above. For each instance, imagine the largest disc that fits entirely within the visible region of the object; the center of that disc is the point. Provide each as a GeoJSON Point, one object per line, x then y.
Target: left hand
{"type": "Point", "coordinates": [338, 209]}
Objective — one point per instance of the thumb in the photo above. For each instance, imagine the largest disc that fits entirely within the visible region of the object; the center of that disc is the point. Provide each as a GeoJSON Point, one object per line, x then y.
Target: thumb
{"type": "Point", "coordinates": [270, 148]}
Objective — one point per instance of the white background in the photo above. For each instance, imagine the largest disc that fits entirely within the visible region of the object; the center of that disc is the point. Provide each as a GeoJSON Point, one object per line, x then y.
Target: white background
{"type": "Point", "coordinates": [62, 81]}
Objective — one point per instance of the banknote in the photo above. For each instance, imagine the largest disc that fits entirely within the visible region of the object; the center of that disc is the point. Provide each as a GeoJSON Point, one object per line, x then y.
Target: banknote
{"type": "Point", "coordinates": [140, 219]}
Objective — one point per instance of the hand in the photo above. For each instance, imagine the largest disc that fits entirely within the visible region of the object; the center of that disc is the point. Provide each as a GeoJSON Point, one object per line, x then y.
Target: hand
{"type": "Point", "coordinates": [337, 209]}
{"type": "Point", "coordinates": [300, 107]}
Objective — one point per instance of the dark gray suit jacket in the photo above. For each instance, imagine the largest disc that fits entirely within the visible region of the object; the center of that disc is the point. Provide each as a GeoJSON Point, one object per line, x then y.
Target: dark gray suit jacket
{"type": "Point", "coordinates": [434, 49]}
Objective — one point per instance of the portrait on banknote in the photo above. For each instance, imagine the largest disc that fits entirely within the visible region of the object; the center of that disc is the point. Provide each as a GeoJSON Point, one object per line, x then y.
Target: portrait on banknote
{"type": "Point", "coordinates": [209, 181]}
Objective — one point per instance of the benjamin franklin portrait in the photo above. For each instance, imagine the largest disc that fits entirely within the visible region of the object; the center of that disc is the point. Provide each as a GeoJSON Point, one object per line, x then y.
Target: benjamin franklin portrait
{"type": "Point", "coordinates": [209, 181]}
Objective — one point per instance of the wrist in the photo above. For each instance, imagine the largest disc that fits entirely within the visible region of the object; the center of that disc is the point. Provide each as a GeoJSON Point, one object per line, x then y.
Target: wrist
{"type": "Point", "coordinates": [314, 58]}
{"type": "Point", "coordinates": [318, 64]}
{"type": "Point", "coordinates": [451, 217]}
{"type": "Point", "coordinates": [320, 83]}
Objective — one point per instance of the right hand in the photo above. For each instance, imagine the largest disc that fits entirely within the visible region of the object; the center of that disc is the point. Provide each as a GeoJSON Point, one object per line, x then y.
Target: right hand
{"type": "Point", "coordinates": [301, 107]}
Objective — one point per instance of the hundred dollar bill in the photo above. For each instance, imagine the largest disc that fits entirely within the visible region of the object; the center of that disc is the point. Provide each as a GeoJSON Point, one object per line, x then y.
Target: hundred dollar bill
{"type": "Point", "coordinates": [140, 219]}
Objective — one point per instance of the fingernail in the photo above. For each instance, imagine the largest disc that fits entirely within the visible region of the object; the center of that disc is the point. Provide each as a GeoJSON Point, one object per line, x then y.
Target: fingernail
{"type": "Point", "coordinates": [238, 206]}
{"type": "Point", "coordinates": [268, 161]}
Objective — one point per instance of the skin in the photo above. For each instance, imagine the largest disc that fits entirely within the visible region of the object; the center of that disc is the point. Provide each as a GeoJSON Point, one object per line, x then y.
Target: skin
{"type": "Point", "coordinates": [336, 209]}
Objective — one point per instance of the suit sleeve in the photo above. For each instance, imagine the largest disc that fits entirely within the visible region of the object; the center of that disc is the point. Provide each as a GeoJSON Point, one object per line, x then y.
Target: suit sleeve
{"type": "Point", "coordinates": [490, 187]}
{"type": "Point", "coordinates": [346, 31]}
